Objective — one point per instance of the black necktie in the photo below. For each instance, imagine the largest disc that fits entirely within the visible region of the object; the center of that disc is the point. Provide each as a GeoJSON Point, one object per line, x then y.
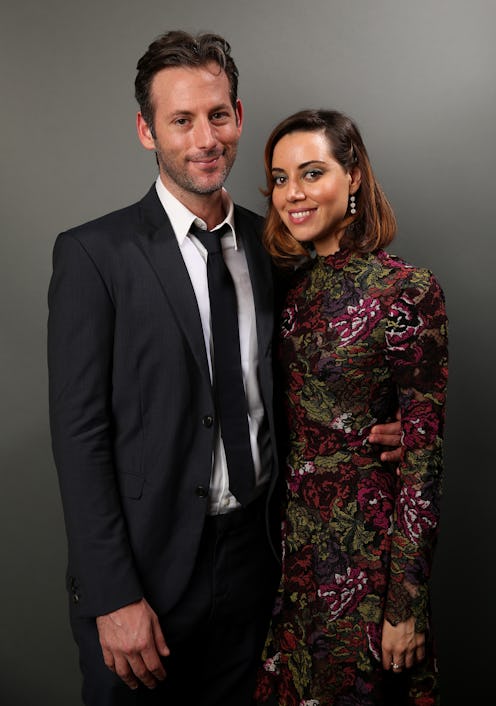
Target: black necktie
{"type": "Point", "coordinates": [228, 379]}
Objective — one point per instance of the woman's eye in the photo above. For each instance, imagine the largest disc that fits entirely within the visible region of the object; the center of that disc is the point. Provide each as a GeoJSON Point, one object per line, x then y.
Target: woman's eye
{"type": "Point", "coordinates": [313, 174]}
{"type": "Point", "coordinates": [279, 180]}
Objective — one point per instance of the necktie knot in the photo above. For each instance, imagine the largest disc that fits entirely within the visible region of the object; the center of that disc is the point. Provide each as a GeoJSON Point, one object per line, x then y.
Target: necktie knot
{"type": "Point", "coordinates": [210, 239]}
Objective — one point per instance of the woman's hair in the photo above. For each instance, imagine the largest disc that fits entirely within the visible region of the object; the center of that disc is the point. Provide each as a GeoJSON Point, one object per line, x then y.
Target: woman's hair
{"type": "Point", "coordinates": [374, 224]}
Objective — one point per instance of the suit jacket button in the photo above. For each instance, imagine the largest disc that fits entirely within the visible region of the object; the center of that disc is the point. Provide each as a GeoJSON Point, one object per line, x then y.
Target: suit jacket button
{"type": "Point", "coordinates": [207, 421]}
{"type": "Point", "coordinates": [201, 491]}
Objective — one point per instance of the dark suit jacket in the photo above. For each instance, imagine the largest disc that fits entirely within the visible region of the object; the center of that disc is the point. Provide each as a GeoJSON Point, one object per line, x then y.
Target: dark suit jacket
{"type": "Point", "coordinates": [130, 401]}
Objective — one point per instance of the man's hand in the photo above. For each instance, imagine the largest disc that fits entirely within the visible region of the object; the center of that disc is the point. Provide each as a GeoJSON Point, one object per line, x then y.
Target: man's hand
{"type": "Point", "coordinates": [388, 435]}
{"type": "Point", "coordinates": [132, 643]}
{"type": "Point", "coordinates": [402, 647]}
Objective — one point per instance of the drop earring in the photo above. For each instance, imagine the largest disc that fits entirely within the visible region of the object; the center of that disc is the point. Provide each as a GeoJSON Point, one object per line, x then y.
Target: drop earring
{"type": "Point", "coordinates": [352, 205]}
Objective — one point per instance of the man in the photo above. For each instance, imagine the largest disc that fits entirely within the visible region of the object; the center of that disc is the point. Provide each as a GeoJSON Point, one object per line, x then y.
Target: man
{"type": "Point", "coordinates": [171, 570]}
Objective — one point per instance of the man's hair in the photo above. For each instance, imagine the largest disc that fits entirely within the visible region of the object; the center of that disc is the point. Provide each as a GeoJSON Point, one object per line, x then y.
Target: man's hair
{"type": "Point", "coordinates": [374, 224]}
{"type": "Point", "coordinates": [176, 49]}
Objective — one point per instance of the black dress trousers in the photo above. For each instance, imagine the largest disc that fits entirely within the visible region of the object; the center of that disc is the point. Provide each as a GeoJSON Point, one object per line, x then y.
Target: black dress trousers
{"type": "Point", "coordinates": [215, 633]}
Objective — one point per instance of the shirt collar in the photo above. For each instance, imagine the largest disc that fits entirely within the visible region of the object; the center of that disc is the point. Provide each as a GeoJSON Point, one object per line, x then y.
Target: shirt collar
{"type": "Point", "coordinates": [182, 218]}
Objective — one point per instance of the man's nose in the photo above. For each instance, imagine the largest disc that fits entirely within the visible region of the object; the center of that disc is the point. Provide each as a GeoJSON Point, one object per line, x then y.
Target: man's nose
{"type": "Point", "coordinates": [205, 137]}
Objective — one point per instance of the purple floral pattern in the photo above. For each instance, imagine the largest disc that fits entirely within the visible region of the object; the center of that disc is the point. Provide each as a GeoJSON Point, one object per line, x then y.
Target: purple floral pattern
{"type": "Point", "coordinates": [361, 336]}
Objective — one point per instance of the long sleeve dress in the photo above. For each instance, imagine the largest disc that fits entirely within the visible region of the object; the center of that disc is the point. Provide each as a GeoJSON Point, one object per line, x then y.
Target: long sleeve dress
{"type": "Point", "coordinates": [361, 336]}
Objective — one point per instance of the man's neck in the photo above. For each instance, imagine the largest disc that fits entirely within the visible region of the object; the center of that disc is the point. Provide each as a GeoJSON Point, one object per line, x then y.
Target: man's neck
{"type": "Point", "coordinates": [208, 207]}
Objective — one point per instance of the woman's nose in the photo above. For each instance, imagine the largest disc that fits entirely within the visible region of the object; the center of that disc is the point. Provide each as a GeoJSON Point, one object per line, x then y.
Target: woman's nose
{"type": "Point", "coordinates": [294, 191]}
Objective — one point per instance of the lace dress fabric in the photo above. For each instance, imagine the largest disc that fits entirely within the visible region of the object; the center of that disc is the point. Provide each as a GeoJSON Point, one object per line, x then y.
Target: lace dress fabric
{"type": "Point", "coordinates": [361, 336]}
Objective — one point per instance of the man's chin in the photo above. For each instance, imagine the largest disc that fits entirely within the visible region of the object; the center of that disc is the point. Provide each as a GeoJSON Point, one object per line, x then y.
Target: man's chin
{"type": "Point", "coordinates": [208, 186]}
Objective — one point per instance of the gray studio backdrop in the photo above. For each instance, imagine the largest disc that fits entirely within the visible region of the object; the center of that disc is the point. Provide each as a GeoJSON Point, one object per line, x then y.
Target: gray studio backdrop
{"type": "Point", "coordinates": [419, 79]}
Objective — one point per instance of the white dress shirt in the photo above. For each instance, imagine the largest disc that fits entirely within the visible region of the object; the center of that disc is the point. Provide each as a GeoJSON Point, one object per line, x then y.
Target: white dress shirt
{"type": "Point", "coordinates": [220, 500]}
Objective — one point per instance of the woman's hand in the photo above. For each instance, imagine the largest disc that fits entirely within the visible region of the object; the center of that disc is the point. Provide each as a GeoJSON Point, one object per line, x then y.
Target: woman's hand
{"type": "Point", "coordinates": [401, 645]}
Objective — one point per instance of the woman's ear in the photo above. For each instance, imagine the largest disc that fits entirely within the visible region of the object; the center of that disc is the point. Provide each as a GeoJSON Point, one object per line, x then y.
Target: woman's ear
{"type": "Point", "coordinates": [355, 179]}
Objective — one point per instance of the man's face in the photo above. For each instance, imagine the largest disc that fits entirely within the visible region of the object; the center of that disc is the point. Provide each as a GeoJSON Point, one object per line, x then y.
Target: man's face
{"type": "Point", "coordinates": [196, 129]}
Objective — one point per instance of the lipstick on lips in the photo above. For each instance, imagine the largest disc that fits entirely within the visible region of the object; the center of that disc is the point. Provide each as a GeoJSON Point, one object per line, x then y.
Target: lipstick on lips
{"type": "Point", "coordinates": [301, 215]}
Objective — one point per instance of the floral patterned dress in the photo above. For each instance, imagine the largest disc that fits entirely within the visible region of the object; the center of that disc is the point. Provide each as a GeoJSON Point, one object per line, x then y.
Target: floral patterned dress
{"type": "Point", "coordinates": [361, 335]}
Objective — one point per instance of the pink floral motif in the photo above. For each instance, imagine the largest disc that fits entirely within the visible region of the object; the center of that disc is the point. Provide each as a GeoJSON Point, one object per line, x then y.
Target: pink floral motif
{"type": "Point", "coordinates": [296, 475]}
{"type": "Point", "coordinates": [407, 322]}
{"type": "Point", "coordinates": [376, 506]}
{"type": "Point", "coordinates": [358, 321]}
{"type": "Point", "coordinates": [421, 425]}
{"type": "Point", "coordinates": [345, 593]}
{"type": "Point", "coordinates": [415, 515]}
{"type": "Point", "coordinates": [288, 318]}
{"type": "Point", "coordinates": [374, 634]}
{"type": "Point", "coordinates": [272, 664]}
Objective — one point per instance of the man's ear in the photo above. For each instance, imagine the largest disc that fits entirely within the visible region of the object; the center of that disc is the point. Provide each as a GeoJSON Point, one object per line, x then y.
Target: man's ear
{"type": "Point", "coordinates": [239, 115]}
{"type": "Point", "coordinates": [144, 133]}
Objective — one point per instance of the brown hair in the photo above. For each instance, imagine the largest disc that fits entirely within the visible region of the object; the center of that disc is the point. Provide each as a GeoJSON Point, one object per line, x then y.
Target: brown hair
{"type": "Point", "coordinates": [374, 224]}
{"type": "Point", "coordinates": [178, 48]}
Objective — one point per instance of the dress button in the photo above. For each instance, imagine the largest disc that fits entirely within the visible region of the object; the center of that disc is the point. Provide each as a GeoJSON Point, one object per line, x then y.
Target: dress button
{"type": "Point", "coordinates": [201, 491]}
{"type": "Point", "coordinates": [207, 421]}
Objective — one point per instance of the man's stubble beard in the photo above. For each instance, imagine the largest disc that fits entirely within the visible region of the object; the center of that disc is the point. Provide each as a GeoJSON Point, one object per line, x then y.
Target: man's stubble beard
{"type": "Point", "coordinates": [190, 185]}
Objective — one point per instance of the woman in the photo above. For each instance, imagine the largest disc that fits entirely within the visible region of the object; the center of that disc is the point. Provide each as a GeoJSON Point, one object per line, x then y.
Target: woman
{"type": "Point", "coordinates": [362, 333]}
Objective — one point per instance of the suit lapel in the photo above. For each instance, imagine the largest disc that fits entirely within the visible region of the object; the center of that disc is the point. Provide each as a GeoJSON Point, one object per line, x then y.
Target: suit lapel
{"type": "Point", "coordinates": [261, 280]}
{"type": "Point", "coordinates": [259, 266]}
{"type": "Point", "coordinates": [158, 242]}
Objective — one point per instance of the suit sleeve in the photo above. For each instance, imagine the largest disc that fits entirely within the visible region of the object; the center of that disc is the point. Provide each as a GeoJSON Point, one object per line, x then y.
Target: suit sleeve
{"type": "Point", "coordinates": [101, 571]}
{"type": "Point", "coordinates": [416, 340]}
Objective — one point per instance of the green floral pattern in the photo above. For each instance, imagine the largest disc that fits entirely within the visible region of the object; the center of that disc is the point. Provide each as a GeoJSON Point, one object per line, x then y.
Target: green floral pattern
{"type": "Point", "coordinates": [361, 336]}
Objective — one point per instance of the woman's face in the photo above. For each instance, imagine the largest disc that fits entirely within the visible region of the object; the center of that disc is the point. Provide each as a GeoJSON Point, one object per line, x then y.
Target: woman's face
{"type": "Point", "coordinates": [311, 189]}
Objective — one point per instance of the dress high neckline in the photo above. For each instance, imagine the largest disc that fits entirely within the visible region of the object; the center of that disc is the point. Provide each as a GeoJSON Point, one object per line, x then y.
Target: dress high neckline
{"type": "Point", "coordinates": [337, 260]}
